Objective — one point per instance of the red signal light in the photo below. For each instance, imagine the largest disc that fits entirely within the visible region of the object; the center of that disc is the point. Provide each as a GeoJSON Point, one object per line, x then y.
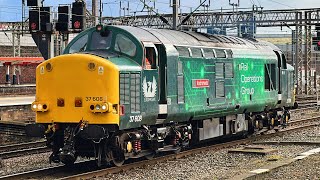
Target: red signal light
{"type": "Point", "coordinates": [33, 26]}
{"type": "Point", "coordinates": [77, 24]}
{"type": "Point", "coordinates": [318, 43]}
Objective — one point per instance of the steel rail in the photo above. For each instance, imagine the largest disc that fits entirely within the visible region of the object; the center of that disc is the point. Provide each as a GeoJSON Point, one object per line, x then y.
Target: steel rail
{"type": "Point", "coordinates": [15, 150]}
{"type": "Point", "coordinates": [52, 171]}
{"type": "Point", "coordinates": [308, 143]}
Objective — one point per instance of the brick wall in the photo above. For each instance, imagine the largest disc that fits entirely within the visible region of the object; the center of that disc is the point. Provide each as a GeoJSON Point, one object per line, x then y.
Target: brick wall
{"type": "Point", "coordinates": [28, 74]}
{"type": "Point", "coordinates": [17, 113]}
{"type": "Point", "coordinates": [27, 71]}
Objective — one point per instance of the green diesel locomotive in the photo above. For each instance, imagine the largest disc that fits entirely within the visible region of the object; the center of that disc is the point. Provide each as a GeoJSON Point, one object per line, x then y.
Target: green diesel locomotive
{"type": "Point", "coordinates": [122, 92]}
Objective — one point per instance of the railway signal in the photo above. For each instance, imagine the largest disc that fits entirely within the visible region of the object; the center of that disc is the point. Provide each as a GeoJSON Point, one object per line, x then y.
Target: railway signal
{"type": "Point", "coordinates": [78, 15]}
{"type": "Point", "coordinates": [63, 19]}
{"type": "Point", "coordinates": [33, 3]}
{"type": "Point", "coordinates": [45, 19]}
{"type": "Point", "coordinates": [34, 20]}
{"type": "Point", "coordinates": [40, 19]}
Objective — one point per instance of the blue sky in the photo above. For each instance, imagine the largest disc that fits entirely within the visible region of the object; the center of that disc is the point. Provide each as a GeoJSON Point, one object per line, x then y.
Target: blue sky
{"type": "Point", "coordinates": [10, 10]}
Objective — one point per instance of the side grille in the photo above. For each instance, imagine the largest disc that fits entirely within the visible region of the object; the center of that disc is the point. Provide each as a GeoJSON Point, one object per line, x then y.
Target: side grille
{"type": "Point", "coordinates": [228, 70]}
{"type": "Point", "coordinates": [220, 89]}
{"type": "Point", "coordinates": [135, 92]}
{"type": "Point", "coordinates": [124, 88]}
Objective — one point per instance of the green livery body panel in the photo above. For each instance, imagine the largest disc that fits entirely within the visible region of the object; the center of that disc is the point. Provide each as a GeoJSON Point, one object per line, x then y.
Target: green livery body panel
{"type": "Point", "coordinates": [193, 76]}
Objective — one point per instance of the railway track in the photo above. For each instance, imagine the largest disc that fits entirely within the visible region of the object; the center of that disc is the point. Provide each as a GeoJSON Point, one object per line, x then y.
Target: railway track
{"type": "Point", "coordinates": [12, 129]}
{"type": "Point", "coordinates": [307, 103]}
{"type": "Point", "coordinates": [64, 172]}
{"type": "Point", "coordinates": [305, 97]}
{"type": "Point", "coordinates": [301, 109]}
{"type": "Point", "coordinates": [289, 143]}
{"type": "Point", "coordinates": [15, 150]}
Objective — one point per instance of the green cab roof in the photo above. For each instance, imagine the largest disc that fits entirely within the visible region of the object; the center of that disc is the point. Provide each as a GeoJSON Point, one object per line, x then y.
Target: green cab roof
{"type": "Point", "coordinates": [125, 64]}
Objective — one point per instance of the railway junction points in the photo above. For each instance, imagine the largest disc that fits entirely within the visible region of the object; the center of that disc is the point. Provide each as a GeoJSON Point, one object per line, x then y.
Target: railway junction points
{"type": "Point", "coordinates": [94, 89]}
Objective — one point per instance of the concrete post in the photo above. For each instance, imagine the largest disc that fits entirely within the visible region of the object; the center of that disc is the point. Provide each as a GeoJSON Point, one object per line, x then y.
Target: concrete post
{"type": "Point", "coordinates": [19, 74]}
{"type": "Point", "coordinates": [8, 74]}
{"type": "Point", "coordinates": [14, 77]}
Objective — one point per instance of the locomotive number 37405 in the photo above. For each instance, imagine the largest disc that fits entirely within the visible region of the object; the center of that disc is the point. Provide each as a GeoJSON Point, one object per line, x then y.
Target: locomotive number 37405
{"type": "Point", "coordinates": [94, 98]}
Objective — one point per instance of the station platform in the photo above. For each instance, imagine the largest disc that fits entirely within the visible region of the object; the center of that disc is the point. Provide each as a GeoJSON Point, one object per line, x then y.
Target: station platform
{"type": "Point", "coordinates": [16, 101]}
{"type": "Point", "coordinates": [16, 111]}
{"type": "Point", "coordinates": [17, 90]}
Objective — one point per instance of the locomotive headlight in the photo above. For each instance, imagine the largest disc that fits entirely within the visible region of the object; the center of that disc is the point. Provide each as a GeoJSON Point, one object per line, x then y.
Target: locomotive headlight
{"type": "Point", "coordinates": [100, 108]}
{"type": "Point", "coordinates": [39, 106]}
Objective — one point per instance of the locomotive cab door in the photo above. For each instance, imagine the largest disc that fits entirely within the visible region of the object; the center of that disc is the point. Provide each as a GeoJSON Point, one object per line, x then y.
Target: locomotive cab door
{"type": "Point", "coordinates": [150, 85]}
{"type": "Point", "coordinates": [282, 84]}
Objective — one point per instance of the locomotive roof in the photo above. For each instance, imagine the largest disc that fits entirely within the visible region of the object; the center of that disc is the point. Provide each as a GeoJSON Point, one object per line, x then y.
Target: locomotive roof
{"type": "Point", "coordinates": [189, 38]}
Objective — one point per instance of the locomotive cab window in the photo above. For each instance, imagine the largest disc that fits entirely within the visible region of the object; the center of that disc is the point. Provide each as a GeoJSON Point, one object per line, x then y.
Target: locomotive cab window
{"type": "Point", "coordinates": [100, 42]}
{"type": "Point", "coordinates": [124, 45]}
{"type": "Point", "coordinates": [150, 58]}
{"type": "Point", "coordinates": [80, 44]}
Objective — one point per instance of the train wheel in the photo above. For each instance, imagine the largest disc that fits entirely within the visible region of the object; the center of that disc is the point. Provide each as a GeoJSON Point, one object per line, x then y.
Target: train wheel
{"type": "Point", "coordinates": [117, 158]}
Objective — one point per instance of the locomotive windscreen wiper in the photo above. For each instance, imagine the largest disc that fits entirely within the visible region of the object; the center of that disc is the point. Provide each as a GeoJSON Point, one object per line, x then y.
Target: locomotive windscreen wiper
{"type": "Point", "coordinates": [83, 47]}
{"type": "Point", "coordinates": [119, 47]}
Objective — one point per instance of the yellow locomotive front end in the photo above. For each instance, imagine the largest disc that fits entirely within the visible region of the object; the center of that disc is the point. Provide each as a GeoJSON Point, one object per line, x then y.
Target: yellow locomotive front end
{"type": "Point", "coordinates": [77, 87]}
{"type": "Point", "coordinates": [76, 104]}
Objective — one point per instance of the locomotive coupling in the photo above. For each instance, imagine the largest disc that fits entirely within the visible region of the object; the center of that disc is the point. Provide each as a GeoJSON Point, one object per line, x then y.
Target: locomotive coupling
{"type": "Point", "coordinates": [67, 154]}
